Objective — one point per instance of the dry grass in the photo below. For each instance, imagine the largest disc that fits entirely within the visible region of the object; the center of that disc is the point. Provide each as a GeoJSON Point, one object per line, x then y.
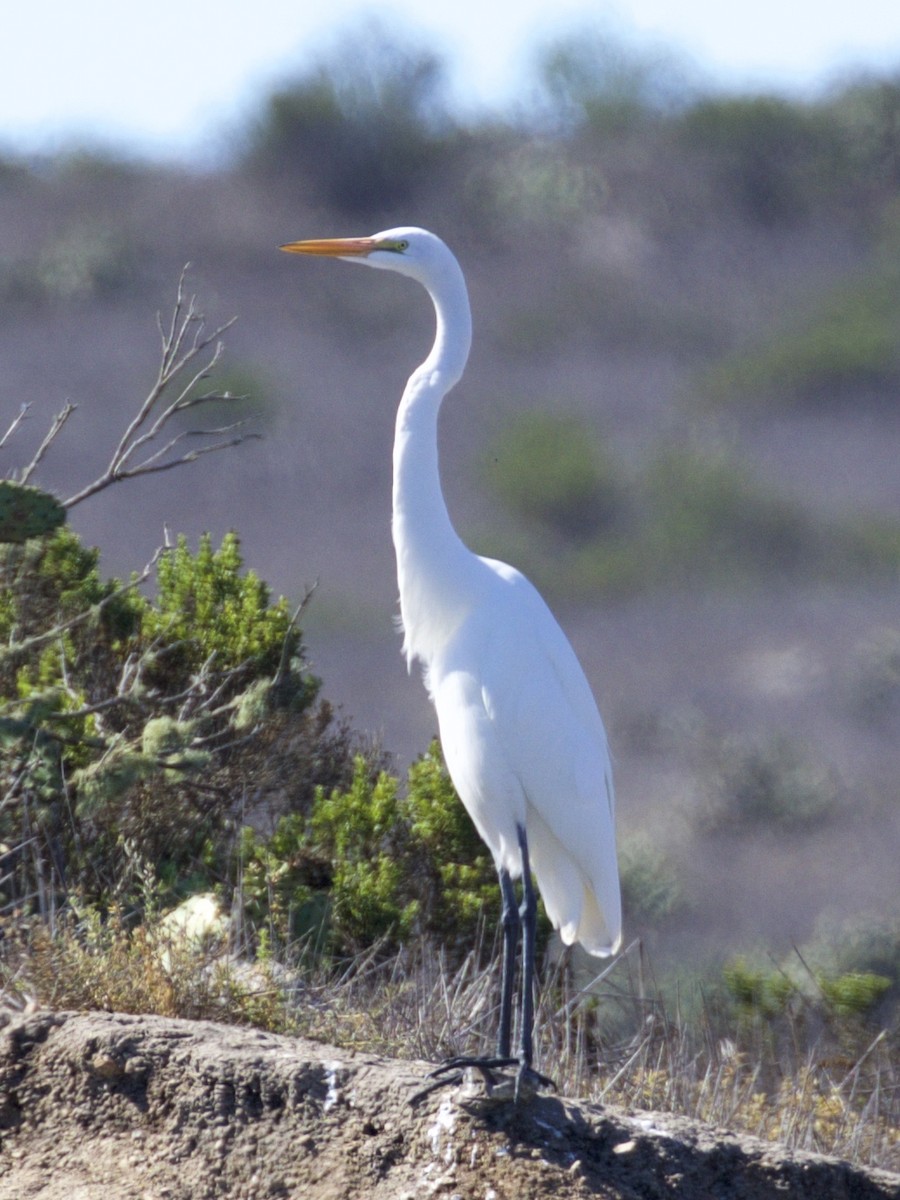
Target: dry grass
{"type": "Point", "coordinates": [416, 1005]}
{"type": "Point", "coordinates": [833, 1092]}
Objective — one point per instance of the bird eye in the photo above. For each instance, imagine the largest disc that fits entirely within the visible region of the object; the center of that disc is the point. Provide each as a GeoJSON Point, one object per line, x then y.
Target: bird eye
{"type": "Point", "coordinates": [402, 245]}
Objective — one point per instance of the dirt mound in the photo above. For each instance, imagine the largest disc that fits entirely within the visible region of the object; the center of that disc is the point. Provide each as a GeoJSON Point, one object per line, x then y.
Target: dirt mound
{"type": "Point", "coordinates": [101, 1105]}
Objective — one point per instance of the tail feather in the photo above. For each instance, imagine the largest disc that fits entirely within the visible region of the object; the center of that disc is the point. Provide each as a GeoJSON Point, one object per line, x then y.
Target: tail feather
{"type": "Point", "coordinates": [570, 899]}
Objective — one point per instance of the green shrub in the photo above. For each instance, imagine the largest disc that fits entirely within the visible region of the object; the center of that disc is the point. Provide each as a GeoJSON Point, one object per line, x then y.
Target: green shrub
{"type": "Point", "coordinates": [337, 878]}
{"type": "Point", "coordinates": [360, 831]}
{"type": "Point", "coordinates": [757, 992]}
{"type": "Point", "coordinates": [843, 343]}
{"type": "Point", "coordinates": [547, 468]}
{"type": "Point", "coordinates": [606, 85]}
{"type": "Point", "coordinates": [208, 608]}
{"type": "Point", "coordinates": [689, 515]}
{"type": "Point", "coordinates": [282, 888]}
{"type": "Point", "coordinates": [368, 866]}
{"type": "Point", "coordinates": [652, 890]}
{"type": "Point", "coordinates": [457, 874]}
{"type": "Point", "coordinates": [117, 711]}
{"type": "Point", "coordinates": [854, 994]}
{"type": "Point", "coordinates": [773, 157]}
{"type": "Point", "coordinates": [362, 129]}
{"type": "Point", "coordinates": [785, 990]}
{"type": "Point", "coordinates": [771, 785]}
{"type": "Point", "coordinates": [865, 944]}
{"type": "Point", "coordinates": [27, 512]}
{"type": "Point", "coordinates": [705, 512]}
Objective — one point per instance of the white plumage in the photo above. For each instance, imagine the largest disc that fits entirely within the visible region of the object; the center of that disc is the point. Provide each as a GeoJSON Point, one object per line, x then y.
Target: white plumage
{"type": "Point", "coordinates": [521, 734]}
{"type": "Point", "coordinates": [525, 747]}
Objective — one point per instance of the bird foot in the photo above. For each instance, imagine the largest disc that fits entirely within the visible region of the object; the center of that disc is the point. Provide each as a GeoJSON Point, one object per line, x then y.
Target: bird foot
{"type": "Point", "coordinates": [497, 1087]}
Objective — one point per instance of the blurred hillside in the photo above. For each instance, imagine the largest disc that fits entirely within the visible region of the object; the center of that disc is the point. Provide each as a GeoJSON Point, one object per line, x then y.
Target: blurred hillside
{"type": "Point", "coordinates": [680, 417]}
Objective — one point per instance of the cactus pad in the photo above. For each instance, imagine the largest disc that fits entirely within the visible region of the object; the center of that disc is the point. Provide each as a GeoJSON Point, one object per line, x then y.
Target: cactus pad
{"type": "Point", "coordinates": [27, 512]}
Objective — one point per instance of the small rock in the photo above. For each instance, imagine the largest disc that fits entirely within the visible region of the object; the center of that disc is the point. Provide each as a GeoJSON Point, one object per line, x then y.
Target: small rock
{"type": "Point", "coordinates": [104, 1065]}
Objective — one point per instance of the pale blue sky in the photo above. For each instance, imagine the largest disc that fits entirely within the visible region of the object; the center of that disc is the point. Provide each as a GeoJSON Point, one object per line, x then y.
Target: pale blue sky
{"type": "Point", "coordinates": [166, 76]}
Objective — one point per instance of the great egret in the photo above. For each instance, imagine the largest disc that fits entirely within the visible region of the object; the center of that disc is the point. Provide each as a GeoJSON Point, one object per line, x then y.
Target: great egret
{"type": "Point", "coordinates": [521, 734]}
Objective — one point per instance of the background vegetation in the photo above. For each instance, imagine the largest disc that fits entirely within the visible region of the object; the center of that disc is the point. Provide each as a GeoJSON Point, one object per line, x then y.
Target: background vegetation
{"type": "Point", "coordinates": [680, 418]}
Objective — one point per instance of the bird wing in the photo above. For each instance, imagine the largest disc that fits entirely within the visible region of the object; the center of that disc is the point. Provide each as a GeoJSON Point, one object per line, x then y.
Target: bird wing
{"type": "Point", "coordinates": [527, 721]}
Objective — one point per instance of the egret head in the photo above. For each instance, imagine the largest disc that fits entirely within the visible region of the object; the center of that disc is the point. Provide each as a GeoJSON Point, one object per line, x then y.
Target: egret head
{"type": "Point", "coordinates": [408, 250]}
{"type": "Point", "coordinates": [424, 258]}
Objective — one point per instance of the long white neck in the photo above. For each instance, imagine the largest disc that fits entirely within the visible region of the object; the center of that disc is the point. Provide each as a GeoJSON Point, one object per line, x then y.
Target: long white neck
{"type": "Point", "coordinates": [431, 559]}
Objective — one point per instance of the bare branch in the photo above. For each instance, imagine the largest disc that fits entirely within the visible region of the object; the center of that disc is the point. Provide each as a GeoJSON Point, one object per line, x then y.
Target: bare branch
{"type": "Point", "coordinates": [88, 710]}
{"type": "Point", "coordinates": [189, 355]}
{"type": "Point", "coordinates": [219, 746]}
{"type": "Point", "coordinates": [14, 424]}
{"type": "Point", "coordinates": [284, 662]}
{"type": "Point", "coordinates": [169, 339]}
{"type": "Point", "coordinates": [58, 421]}
{"type": "Point", "coordinates": [130, 443]}
{"type": "Point", "coordinates": [211, 397]}
{"type": "Point", "coordinates": [151, 467]}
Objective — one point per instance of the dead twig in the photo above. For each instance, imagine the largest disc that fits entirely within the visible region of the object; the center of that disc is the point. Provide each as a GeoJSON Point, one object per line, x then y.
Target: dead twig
{"type": "Point", "coordinates": [14, 424]}
{"type": "Point", "coordinates": [58, 422]}
{"type": "Point", "coordinates": [189, 355]}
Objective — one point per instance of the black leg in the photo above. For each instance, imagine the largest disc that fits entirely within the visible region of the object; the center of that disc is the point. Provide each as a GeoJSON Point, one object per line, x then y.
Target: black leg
{"type": "Point", "coordinates": [527, 1080]}
{"type": "Point", "coordinates": [528, 915]}
{"type": "Point", "coordinates": [510, 922]}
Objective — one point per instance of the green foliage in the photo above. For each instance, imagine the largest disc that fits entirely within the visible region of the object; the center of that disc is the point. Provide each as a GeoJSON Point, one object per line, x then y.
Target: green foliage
{"type": "Point", "coordinates": [867, 944]}
{"type": "Point", "coordinates": [708, 514]}
{"type": "Point", "coordinates": [170, 743]}
{"type": "Point", "coordinates": [55, 580]}
{"type": "Point", "coordinates": [334, 877]}
{"type": "Point", "coordinates": [360, 831]}
{"type": "Point", "coordinates": [770, 785]}
{"type": "Point", "coordinates": [449, 852]}
{"type": "Point", "coordinates": [106, 781]}
{"type": "Point", "coordinates": [117, 709]}
{"type": "Point", "coordinates": [64, 631]}
{"type": "Point", "coordinates": [368, 866]}
{"type": "Point", "coordinates": [855, 993]}
{"type": "Point", "coordinates": [773, 156]}
{"type": "Point", "coordinates": [688, 515]}
{"type": "Point", "coordinates": [607, 85]}
{"type": "Point", "coordinates": [652, 890]}
{"type": "Point", "coordinates": [280, 881]}
{"type": "Point", "coordinates": [760, 992]}
{"type": "Point", "coordinates": [209, 607]}
{"type": "Point", "coordinates": [765, 993]}
{"type": "Point", "coordinates": [363, 130]}
{"type": "Point", "coordinates": [27, 512]}
{"type": "Point", "coordinates": [844, 342]}
{"type": "Point", "coordinates": [547, 468]}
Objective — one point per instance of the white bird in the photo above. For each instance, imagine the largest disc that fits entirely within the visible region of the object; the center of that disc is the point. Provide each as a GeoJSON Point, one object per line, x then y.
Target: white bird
{"type": "Point", "coordinates": [521, 734]}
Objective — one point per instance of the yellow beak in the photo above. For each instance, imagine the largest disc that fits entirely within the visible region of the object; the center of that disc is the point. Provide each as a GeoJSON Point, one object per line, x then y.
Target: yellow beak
{"type": "Point", "coordinates": [334, 247]}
